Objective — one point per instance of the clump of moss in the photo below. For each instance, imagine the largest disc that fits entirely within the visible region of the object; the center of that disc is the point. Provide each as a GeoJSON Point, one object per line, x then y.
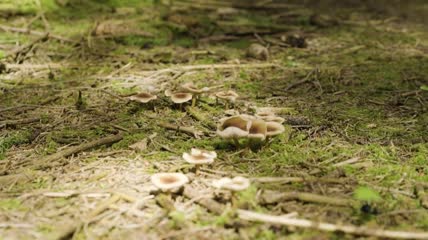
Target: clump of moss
{"type": "Point", "coordinates": [16, 138]}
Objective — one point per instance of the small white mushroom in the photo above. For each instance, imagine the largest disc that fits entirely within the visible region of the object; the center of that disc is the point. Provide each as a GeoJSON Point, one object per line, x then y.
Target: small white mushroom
{"type": "Point", "coordinates": [191, 88]}
{"type": "Point", "coordinates": [199, 157]}
{"type": "Point", "coordinates": [142, 97]}
{"type": "Point", "coordinates": [235, 184]}
{"type": "Point", "coordinates": [180, 98]}
{"type": "Point", "coordinates": [229, 96]}
{"type": "Point", "coordinates": [258, 51]}
{"type": "Point", "coordinates": [169, 182]}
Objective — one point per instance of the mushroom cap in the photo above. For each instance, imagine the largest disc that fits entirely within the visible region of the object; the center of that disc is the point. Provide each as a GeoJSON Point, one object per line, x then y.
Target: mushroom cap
{"type": "Point", "coordinates": [168, 182]}
{"type": "Point", "coordinates": [227, 95]}
{"type": "Point", "coordinates": [181, 97]}
{"type": "Point", "coordinates": [258, 51]}
{"type": "Point", "coordinates": [277, 119]}
{"type": "Point", "coordinates": [265, 114]}
{"type": "Point", "coordinates": [234, 127]}
{"type": "Point", "coordinates": [257, 130]}
{"type": "Point", "coordinates": [168, 93]}
{"type": "Point", "coordinates": [191, 88]}
{"type": "Point", "coordinates": [143, 97]}
{"type": "Point", "coordinates": [235, 184]}
{"type": "Point", "coordinates": [274, 128]}
{"type": "Point", "coordinates": [198, 156]}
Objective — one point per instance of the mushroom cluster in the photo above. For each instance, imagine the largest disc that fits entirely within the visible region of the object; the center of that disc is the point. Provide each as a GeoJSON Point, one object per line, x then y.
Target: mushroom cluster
{"type": "Point", "coordinates": [256, 129]}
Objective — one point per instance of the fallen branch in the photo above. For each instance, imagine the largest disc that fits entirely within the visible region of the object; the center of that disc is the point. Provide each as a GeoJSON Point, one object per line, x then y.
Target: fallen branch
{"type": "Point", "coordinates": [198, 116]}
{"type": "Point", "coordinates": [328, 227]}
{"type": "Point", "coordinates": [48, 161]}
{"type": "Point", "coordinates": [422, 195]}
{"type": "Point", "coordinates": [24, 49]}
{"type": "Point", "coordinates": [36, 33]}
{"type": "Point", "coordinates": [284, 180]}
{"type": "Point", "coordinates": [303, 81]}
{"type": "Point", "coordinates": [347, 162]}
{"type": "Point", "coordinates": [13, 123]}
{"type": "Point", "coordinates": [210, 204]}
{"type": "Point", "coordinates": [33, 66]}
{"type": "Point", "coordinates": [270, 197]}
{"type": "Point", "coordinates": [188, 130]}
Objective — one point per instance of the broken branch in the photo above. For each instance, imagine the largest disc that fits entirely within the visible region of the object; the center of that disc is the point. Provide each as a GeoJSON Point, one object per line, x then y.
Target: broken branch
{"type": "Point", "coordinates": [328, 227]}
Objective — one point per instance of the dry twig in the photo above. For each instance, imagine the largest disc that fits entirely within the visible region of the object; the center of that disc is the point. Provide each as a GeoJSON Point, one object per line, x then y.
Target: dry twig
{"type": "Point", "coordinates": [328, 227]}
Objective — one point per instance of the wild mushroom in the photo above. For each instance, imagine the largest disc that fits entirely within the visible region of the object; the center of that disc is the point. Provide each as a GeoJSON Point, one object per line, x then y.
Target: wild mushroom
{"type": "Point", "coordinates": [199, 157]}
{"type": "Point", "coordinates": [276, 119]}
{"type": "Point", "coordinates": [265, 114]}
{"type": "Point", "coordinates": [191, 88]}
{"type": "Point", "coordinates": [229, 96]}
{"type": "Point", "coordinates": [234, 127]}
{"type": "Point", "coordinates": [257, 133]}
{"type": "Point", "coordinates": [258, 51]}
{"type": "Point", "coordinates": [234, 185]}
{"type": "Point", "coordinates": [169, 182]}
{"type": "Point", "coordinates": [274, 128]}
{"type": "Point", "coordinates": [180, 98]}
{"type": "Point", "coordinates": [143, 97]}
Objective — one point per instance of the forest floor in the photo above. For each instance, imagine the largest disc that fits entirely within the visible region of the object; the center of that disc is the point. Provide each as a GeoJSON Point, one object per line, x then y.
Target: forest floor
{"type": "Point", "coordinates": [352, 85]}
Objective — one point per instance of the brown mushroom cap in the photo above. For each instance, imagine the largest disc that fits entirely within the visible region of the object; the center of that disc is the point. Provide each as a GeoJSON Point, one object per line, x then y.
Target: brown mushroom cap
{"type": "Point", "coordinates": [143, 97]}
{"type": "Point", "coordinates": [168, 182]}
{"type": "Point", "coordinates": [274, 128]}
{"type": "Point", "coordinates": [230, 95]}
{"type": "Point", "coordinates": [191, 88]}
{"type": "Point", "coordinates": [181, 97]}
{"type": "Point", "coordinates": [258, 130]}
{"type": "Point", "coordinates": [234, 127]}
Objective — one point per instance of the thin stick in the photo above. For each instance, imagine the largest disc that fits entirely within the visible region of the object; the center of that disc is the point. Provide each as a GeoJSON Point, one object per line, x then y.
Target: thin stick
{"type": "Point", "coordinates": [27, 47]}
{"type": "Point", "coordinates": [328, 227]}
{"type": "Point", "coordinates": [210, 204]}
{"type": "Point", "coordinates": [303, 81]}
{"type": "Point", "coordinates": [199, 117]}
{"type": "Point", "coordinates": [270, 197]}
{"type": "Point", "coordinates": [48, 161]}
{"type": "Point", "coordinates": [36, 33]}
{"type": "Point", "coordinates": [12, 123]}
{"type": "Point", "coordinates": [188, 130]}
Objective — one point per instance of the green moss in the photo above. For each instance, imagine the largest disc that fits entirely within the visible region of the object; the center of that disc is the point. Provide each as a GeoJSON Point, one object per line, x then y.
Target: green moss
{"type": "Point", "coordinates": [10, 204]}
{"type": "Point", "coordinates": [13, 139]}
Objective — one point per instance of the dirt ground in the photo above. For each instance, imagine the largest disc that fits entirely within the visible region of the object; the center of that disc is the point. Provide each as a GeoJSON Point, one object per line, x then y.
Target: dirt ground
{"type": "Point", "coordinates": [76, 154]}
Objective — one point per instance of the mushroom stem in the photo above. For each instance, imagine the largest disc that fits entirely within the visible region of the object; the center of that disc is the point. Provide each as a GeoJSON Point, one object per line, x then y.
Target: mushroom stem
{"type": "Point", "coordinates": [236, 142]}
{"type": "Point", "coordinates": [194, 101]}
{"type": "Point", "coordinates": [197, 169]}
{"type": "Point", "coordinates": [254, 145]}
{"type": "Point", "coordinates": [227, 105]}
{"type": "Point", "coordinates": [234, 200]}
{"type": "Point", "coordinates": [216, 100]}
{"type": "Point", "coordinates": [165, 201]}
